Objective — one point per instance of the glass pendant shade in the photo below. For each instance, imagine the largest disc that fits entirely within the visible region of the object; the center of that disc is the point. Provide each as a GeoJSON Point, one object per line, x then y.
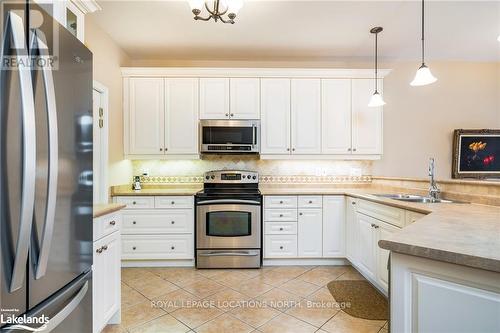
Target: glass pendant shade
{"type": "Point", "coordinates": [423, 77]}
{"type": "Point", "coordinates": [196, 4]}
{"type": "Point", "coordinates": [498, 39]}
{"type": "Point", "coordinates": [234, 6]}
{"type": "Point", "coordinates": [376, 100]}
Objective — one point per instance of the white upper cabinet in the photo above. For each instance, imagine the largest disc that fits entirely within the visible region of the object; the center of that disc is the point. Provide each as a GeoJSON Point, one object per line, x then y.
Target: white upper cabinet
{"type": "Point", "coordinates": [244, 98]}
{"type": "Point", "coordinates": [214, 98]}
{"type": "Point", "coordinates": [181, 116]}
{"type": "Point", "coordinates": [146, 112]}
{"type": "Point", "coordinates": [366, 121]}
{"type": "Point", "coordinates": [306, 116]}
{"type": "Point", "coordinates": [334, 226]}
{"type": "Point", "coordinates": [336, 116]}
{"type": "Point", "coordinates": [275, 116]}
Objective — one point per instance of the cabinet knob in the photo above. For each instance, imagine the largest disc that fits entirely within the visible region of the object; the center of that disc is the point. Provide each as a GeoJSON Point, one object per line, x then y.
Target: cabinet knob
{"type": "Point", "coordinates": [227, 114]}
{"type": "Point", "coordinates": [134, 248]}
{"type": "Point", "coordinates": [375, 226]}
{"type": "Point", "coordinates": [232, 114]}
{"type": "Point", "coordinates": [112, 222]}
{"type": "Point", "coordinates": [133, 202]}
{"type": "Point", "coordinates": [99, 250]}
{"type": "Point", "coordinates": [353, 203]}
{"type": "Point", "coordinates": [134, 222]}
{"type": "Point", "coordinates": [281, 247]}
{"type": "Point", "coordinates": [166, 149]}
{"type": "Point", "coordinates": [281, 229]}
{"type": "Point", "coordinates": [293, 149]}
{"type": "Point", "coordinates": [310, 201]}
{"type": "Point", "coordinates": [349, 149]}
{"type": "Point", "coordinates": [288, 149]}
{"type": "Point", "coordinates": [281, 215]}
{"type": "Point", "coordinates": [161, 149]}
{"type": "Point", "coordinates": [105, 247]}
{"type": "Point", "coordinates": [173, 222]}
{"type": "Point", "coordinates": [300, 214]}
{"type": "Point", "coordinates": [173, 247]}
{"type": "Point", "coordinates": [354, 149]}
{"type": "Point", "coordinates": [172, 202]}
{"type": "Point", "coordinates": [281, 201]}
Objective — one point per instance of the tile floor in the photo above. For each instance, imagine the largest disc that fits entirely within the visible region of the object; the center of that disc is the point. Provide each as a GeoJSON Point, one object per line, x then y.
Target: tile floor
{"type": "Point", "coordinates": [286, 299]}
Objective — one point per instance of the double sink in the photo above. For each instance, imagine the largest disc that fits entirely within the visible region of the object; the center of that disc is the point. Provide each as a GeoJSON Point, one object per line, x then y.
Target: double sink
{"type": "Point", "coordinates": [415, 198]}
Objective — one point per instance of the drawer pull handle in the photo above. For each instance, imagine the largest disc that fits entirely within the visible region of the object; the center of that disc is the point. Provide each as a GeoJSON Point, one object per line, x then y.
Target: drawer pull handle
{"type": "Point", "coordinates": [173, 222]}
{"type": "Point", "coordinates": [134, 222]}
{"type": "Point", "coordinates": [173, 248]}
{"type": "Point", "coordinates": [99, 250]}
{"type": "Point", "coordinates": [281, 229]}
{"type": "Point", "coordinates": [281, 247]}
{"type": "Point", "coordinates": [134, 248]}
{"type": "Point", "coordinates": [112, 222]}
{"type": "Point", "coordinates": [105, 247]}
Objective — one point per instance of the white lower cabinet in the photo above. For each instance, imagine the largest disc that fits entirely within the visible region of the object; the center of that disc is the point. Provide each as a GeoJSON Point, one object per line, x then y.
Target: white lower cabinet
{"type": "Point", "coordinates": [309, 233]}
{"type": "Point", "coordinates": [333, 226]}
{"type": "Point", "coordinates": [280, 246]}
{"type": "Point", "coordinates": [366, 238]}
{"type": "Point", "coordinates": [351, 230]}
{"type": "Point", "coordinates": [106, 281]}
{"type": "Point", "coordinates": [159, 228]}
{"type": "Point", "coordinates": [385, 230]}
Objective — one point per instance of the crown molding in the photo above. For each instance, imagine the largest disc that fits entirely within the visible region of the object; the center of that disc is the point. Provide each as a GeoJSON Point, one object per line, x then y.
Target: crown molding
{"type": "Point", "coordinates": [87, 6]}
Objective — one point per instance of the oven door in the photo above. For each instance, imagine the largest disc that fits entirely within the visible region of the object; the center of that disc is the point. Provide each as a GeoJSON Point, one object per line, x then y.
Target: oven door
{"type": "Point", "coordinates": [228, 224]}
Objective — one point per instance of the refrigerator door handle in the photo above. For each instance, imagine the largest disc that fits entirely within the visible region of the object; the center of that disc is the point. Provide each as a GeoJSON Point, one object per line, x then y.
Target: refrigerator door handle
{"type": "Point", "coordinates": [15, 28]}
{"type": "Point", "coordinates": [66, 311]}
{"type": "Point", "coordinates": [38, 43]}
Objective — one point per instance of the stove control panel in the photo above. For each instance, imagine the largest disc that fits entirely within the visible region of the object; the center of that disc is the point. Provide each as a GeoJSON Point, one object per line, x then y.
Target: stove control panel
{"type": "Point", "coordinates": [231, 177]}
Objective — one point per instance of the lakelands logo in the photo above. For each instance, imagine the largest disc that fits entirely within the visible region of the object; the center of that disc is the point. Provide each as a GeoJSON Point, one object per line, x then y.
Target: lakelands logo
{"type": "Point", "coordinates": [32, 324]}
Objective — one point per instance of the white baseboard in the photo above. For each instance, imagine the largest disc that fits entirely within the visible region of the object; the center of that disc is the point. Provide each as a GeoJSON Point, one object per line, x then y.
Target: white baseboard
{"type": "Point", "coordinates": [306, 262]}
{"type": "Point", "coordinates": [158, 263]}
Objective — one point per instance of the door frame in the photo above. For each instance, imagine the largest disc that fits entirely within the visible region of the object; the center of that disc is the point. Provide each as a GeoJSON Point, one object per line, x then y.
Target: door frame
{"type": "Point", "coordinates": [102, 149]}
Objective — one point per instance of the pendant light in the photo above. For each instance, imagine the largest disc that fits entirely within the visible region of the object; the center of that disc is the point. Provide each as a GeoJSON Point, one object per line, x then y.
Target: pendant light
{"type": "Point", "coordinates": [423, 76]}
{"type": "Point", "coordinates": [376, 99]}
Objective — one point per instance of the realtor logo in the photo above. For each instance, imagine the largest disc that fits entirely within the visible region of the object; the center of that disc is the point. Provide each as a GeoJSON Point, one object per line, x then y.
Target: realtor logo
{"type": "Point", "coordinates": [24, 323]}
{"type": "Point", "coordinates": [39, 48]}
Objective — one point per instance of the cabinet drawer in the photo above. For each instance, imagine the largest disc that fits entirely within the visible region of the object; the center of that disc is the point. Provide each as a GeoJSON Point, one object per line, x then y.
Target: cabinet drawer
{"type": "Point", "coordinates": [157, 246]}
{"type": "Point", "coordinates": [137, 202]}
{"type": "Point", "coordinates": [310, 201]}
{"type": "Point", "coordinates": [412, 217]}
{"type": "Point", "coordinates": [280, 202]}
{"type": "Point", "coordinates": [280, 215]}
{"type": "Point", "coordinates": [158, 221]}
{"type": "Point", "coordinates": [280, 246]}
{"type": "Point", "coordinates": [392, 215]}
{"type": "Point", "coordinates": [174, 202]}
{"type": "Point", "coordinates": [106, 225]}
{"type": "Point", "coordinates": [280, 228]}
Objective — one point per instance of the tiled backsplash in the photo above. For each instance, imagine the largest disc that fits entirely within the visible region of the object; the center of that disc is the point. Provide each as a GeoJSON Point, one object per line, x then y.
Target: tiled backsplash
{"type": "Point", "coordinates": [271, 171]}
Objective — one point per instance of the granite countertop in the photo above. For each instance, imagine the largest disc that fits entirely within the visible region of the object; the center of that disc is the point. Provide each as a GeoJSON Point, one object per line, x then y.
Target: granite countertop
{"type": "Point", "coordinates": [104, 209]}
{"type": "Point", "coordinates": [464, 234]}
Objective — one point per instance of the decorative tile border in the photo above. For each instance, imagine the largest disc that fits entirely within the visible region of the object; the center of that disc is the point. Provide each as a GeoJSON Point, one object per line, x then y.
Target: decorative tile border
{"type": "Point", "coordinates": [264, 179]}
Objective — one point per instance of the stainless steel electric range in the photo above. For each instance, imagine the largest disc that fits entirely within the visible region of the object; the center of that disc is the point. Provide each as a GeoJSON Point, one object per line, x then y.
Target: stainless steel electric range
{"type": "Point", "coordinates": [229, 220]}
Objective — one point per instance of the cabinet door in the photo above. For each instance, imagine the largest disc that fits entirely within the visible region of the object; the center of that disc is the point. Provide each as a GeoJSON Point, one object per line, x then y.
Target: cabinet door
{"type": "Point", "coordinates": [244, 98]}
{"type": "Point", "coordinates": [275, 116]}
{"type": "Point", "coordinates": [280, 246]}
{"type": "Point", "coordinates": [98, 277]}
{"type": "Point", "coordinates": [385, 230]}
{"type": "Point", "coordinates": [214, 98]}
{"type": "Point", "coordinates": [333, 226]}
{"type": "Point", "coordinates": [146, 116]}
{"type": "Point", "coordinates": [366, 239]}
{"type": "Point", "coordinates": [336, 116]}
{"type": "Point", "coordinates": [309, 233]}
{"type": "Point", "coordinates": [306, 116]}
{"type": "Point", "coordinates": [181, 116]}
{"type": "Point", "coordinates": [351, 246]}
{"type": "Point", "coordinates": [366, 121]}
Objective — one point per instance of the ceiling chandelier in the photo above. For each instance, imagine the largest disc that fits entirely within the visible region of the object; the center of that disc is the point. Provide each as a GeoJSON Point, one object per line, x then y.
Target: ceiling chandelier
{"type": "Point", "coordinates": [217, 9]}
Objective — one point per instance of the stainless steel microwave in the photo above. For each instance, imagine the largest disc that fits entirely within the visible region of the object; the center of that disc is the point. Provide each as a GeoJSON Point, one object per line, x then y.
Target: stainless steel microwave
{"type": "Point", "coordinates": [230, 136]}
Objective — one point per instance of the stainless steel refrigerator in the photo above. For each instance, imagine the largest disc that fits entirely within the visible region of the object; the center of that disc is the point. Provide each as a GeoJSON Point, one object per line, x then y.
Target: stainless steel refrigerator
{"type": "Point", "coordinates": [46, 173]}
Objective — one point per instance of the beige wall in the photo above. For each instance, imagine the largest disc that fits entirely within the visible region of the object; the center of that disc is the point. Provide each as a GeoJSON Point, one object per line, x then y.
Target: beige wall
{"type": "Point", "coordinates": [419, 121]}
{"type": "Point", "coordinates": [108, 58]}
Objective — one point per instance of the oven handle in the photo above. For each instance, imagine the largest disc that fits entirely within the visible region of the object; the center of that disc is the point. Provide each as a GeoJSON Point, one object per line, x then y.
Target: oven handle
{"type": "Point", "coordinates": [221, 254]}
{"type": "Point", "coordinates": [229, 201]}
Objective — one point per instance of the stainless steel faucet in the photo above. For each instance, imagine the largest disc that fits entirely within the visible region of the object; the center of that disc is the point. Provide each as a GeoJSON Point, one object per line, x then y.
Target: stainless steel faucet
{"type": "Point", "coordinates": [433, 189]}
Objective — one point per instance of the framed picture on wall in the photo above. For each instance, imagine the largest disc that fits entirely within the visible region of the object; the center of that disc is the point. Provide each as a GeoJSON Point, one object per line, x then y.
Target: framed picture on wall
{"type": "Point", "coordinates": [476, 153]}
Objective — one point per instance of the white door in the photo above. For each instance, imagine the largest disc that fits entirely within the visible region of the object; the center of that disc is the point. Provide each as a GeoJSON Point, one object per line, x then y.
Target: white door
{"type": "Point", "coordinates": [366, 121]}
{"type": "Point", "coordinates": [275, 116]}
{"type": "Point", "coordinates": [100, 153]}
{"type": "Point", "coordinates": [366, 239]}
{"type": "Point", "coordinates": [214, 98]}
{"type": "Point", "coordinates": [384, 231]}
{"type": "Point", "coordinates": [181, 116]}
{"type": "Point", "coordinates": [306, 116]}
{"type": "Point", "coordinates": [336, 116]}
{"type": "Point", "coordinates": [351, 246]}
{"type": "Point", "coordinates": [244, 98]}
{"type": "Point", "coordinates": [333, 226]}
{"type": "Point", "coordinates": [309, 233]}
{"type": "Point", "coordinates": [146, 116]}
